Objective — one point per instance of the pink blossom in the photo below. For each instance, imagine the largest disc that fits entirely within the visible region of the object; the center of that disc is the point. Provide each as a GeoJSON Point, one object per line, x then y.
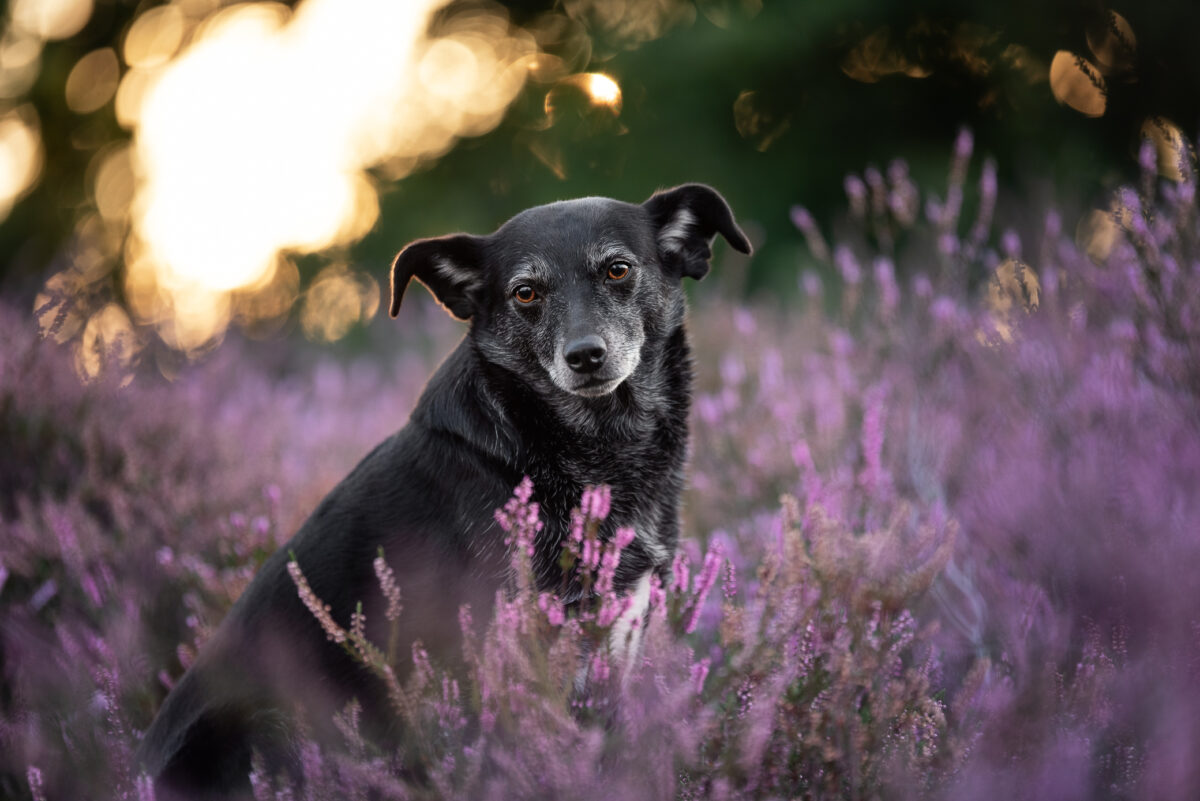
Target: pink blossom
{"type": "Point", "coordinates": [319, 609]}
{"type": "Point", "coordinates": [387, 584]}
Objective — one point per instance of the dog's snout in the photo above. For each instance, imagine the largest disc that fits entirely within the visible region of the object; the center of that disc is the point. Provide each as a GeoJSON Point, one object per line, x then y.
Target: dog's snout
{"type": "Point", "coordinates": [586, 354]}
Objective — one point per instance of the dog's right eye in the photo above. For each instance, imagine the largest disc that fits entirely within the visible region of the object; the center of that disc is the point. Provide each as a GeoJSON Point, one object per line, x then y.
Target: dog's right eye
{"type": "Point", "coordinates": [525, 294]}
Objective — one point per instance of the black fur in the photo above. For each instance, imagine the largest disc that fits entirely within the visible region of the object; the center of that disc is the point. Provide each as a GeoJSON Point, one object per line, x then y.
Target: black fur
{"type": "Point", "coordinates": [504, 404]}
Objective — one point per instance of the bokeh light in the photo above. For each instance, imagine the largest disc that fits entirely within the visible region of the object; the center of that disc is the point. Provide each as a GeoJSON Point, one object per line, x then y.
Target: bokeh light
{"type": "Point", "coordinates": [20, 155]}
{"type": "Point", "coordinates": [254, 138]}
{"type": "Point", "coordinates": [1014, 286]}
{"type": "Point", "coordinates": [1112, 42]}
{"type": "Point", "coordinates": [51, 19]}
{"type": "Point", "coordinates": [20, 60]}
{"type": "Point", "coordinates": [597, 91]}
{"type": "Point", "coordinates": [631, 22]}
{"type": "Point", "coordinates": [93, 81]}
{"type": "Point", "coordinates": [1097, 234]}
{"type": "Point", "coordinates": [337, 300]}
{"type": "Point", "coordinates": [756, 122]}
{"type": "Point", "coordinates": [155, 36]}
{"type": "Point", "coordinates": [1170, 147]}
{"type": "Point", "coordinates": [1077, 82]}
{"type": "Point", "coordinates": [254, 129]}
{"type": "Point", "coordinates": [107, 346]}
{"type": "Point", "coordinates": [603, 90]}
{"type": "Point", "coordinates": [876, 56]}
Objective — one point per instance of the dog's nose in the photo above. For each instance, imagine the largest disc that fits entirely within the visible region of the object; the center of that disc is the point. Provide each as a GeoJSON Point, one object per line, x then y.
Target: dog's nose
{"type": "Point", "coordinates": [586, 354]}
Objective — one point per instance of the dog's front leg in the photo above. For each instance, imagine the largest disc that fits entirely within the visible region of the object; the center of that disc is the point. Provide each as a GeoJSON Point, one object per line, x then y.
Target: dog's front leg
{"type": "Point", "coordinates": [625, 636]}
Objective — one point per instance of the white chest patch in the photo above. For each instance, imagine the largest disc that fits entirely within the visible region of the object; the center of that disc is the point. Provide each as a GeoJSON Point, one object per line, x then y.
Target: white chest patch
{"type": "Point", "coordinates": [625, 636]}
{"type": "Point", "coordinates": [647, 534]}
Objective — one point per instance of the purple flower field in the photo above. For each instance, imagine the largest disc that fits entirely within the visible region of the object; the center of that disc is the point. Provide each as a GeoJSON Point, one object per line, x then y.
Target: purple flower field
{"type": "Point", "coordinates": [941, 537]}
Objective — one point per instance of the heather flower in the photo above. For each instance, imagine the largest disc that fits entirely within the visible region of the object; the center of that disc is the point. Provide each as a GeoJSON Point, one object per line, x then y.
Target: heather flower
{"type": "Point", "coordinates": [1011, 244]}
{"type": "Point", "coordinates": [987, 205]}
{"type": "Point", "coordinates": [612, 558]}
{"type": "Point", "coordinates": [1148, 157]}
{"type": "Point", "coordinates": [589, 558]}
{"type": "Point", "coordinates": [699, 672]}
{"type": "Point", "coordinates": [885, 280]}
{"type": "Point", "coordinates": [873, 475]}
{"type": "Point", "coordinates": [347, 723]}
{"type": "Point", "coordinates": [36, 787]}
{"type": "Point", "coordinates": [680, 573]}
{"type": "Point", "coordinates": [729, 581]}
{"type": "Point", "coordinates": [320, 610]}
{"type": "Point", "coordinates": [596, 502]}
{"type": "Point", "coordinates": [810, 282]}
{"type": "Point", "coordinates": [611, 608]}
{"type": "Point", "coordinates": [658, 595]}
{"type": "Point", "coordinates": [847, 265]}
{"type": "Point", "coordinates": [519, 520]}
{"type": "Point", "coordinates": [387, 583]}
{"type": "Point", "coordinates": [358, 631]}
{"type": "Point", "coordinates": [553, 608]}
{"type": "Point", "coordinates": [422, 669]}
{"type": "Point", "coordinates": [856, 193]}
{"type": "Point", "coordinates": [904, 200]}
{"type": "Point", "coordinates": [601, 668]}
{"type": "Point", "coordinates": [145, 788]}
{"type": "Point", "coordinates": [803, 220]}
{"type": "Point", "coordinates": [964, 144]}
{"type": "Point", "coordinates": [704, 582]}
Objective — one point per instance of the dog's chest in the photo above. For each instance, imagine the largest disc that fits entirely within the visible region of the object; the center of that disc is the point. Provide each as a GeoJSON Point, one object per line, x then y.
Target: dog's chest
{"type": "Point", "coordinates": [645, 477]}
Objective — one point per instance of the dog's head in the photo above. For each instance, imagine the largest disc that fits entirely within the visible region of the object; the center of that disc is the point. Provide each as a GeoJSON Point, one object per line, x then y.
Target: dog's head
{"type": "Point", "coordinates": [574, 289]}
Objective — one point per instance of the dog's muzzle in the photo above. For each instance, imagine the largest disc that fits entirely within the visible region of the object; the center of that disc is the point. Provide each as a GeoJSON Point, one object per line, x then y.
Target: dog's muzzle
{"type": "Point", "coordinates": [591, 366]}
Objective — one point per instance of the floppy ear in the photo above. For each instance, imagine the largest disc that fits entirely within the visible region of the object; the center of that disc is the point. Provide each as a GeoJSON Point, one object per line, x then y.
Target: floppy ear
{"type": "Point", "coordinates": [685, 220]}
{"type": "Point", "coordinates": [449, 266]}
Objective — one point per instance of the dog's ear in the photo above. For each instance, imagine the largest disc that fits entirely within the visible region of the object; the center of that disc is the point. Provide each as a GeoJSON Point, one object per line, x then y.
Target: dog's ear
{"type": "Point", "coordinates": [685, 220]}
{"type": "Point", "coordinates": [449, 266]}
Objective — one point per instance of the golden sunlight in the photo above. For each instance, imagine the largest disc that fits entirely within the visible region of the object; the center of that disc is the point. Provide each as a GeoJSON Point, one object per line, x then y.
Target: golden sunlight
{"type": "Point", "coordinates": [93, 81]}
{"type": "Point", "coordinates": [20, 155]}
{"type": "Point", "coordinates": [20, 61]}
{"type": "Point", "coordinates": [603, 90]}
{"type": "Point", "coordinates": [51, 19]}
{"type": "Point", "coordinates": [337, 300]}
{"type": "Point", "coordinates": [155, 36]}
{"type": "Point", "coordinates": [254, 141]}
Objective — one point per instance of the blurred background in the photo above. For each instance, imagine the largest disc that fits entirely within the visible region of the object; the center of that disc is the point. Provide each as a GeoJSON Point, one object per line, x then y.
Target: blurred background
{"type": "Point", "coordinates": [175, 173]}
{"type": "Point", "coordinates": [213, 192]}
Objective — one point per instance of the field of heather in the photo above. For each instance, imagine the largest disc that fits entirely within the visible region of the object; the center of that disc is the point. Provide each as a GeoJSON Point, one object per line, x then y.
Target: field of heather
{"type": "Point", "coordinates": [941, 536]}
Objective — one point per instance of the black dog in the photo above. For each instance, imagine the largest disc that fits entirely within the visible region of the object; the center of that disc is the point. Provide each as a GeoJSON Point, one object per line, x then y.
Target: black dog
{"type": "Point", "coordinates": [576, 371]}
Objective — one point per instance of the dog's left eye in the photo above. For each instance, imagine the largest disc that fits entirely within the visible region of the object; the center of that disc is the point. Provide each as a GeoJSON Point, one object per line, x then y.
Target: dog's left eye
{"type": "Point", "coordinates": [618, 270]}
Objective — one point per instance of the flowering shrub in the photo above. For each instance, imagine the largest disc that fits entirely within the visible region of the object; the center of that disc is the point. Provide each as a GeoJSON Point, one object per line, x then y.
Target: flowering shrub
{"type": "Point", "coordinates": [943, 526]}
{"type": "Point", "coordinates": [824, 683]}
